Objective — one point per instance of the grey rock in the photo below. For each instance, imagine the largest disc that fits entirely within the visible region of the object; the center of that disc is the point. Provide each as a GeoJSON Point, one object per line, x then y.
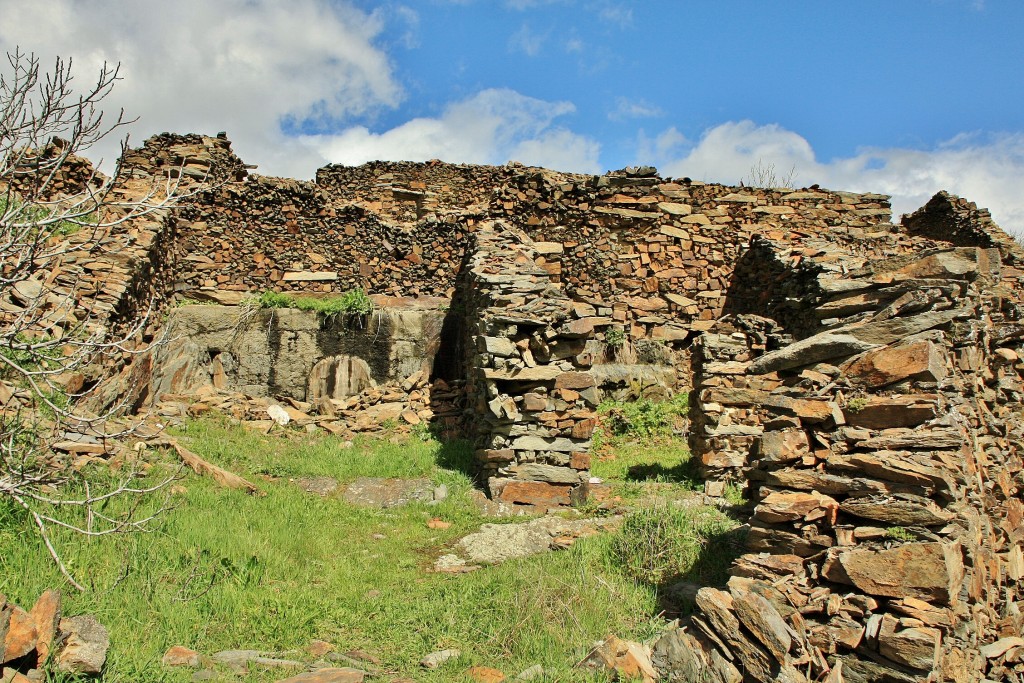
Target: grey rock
{"type": "Point", "coordinates": [532, 673]}
{"type": "Point", "coordinates": [388, 493]}
{"type": "Point", "coordinates": [548, 473]}
{"type": "Point", "coordinates": [85, 648]}
{"type": "Point", "coordinates": [236, 660]}
{"type": "Point", "coordinates": [436, 659]}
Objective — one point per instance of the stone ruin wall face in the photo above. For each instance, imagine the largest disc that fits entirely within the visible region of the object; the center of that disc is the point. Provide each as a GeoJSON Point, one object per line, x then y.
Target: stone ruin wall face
{"type": "Point", "coordinates": [861, 379]}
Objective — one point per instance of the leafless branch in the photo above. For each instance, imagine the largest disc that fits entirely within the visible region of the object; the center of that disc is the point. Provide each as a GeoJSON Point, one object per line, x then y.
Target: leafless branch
{"type": "Point", "coordinates": [58, 334]}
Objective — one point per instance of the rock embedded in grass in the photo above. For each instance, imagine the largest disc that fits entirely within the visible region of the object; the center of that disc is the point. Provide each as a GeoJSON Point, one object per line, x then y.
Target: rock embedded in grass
{"type": "Point", "coordinates": [436, 659]}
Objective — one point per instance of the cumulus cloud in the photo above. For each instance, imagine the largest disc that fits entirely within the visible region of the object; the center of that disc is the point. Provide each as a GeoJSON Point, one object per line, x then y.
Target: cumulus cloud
{"type": "Point", "coordinates": [492, 127]}
{"type": "Point", "coordinates": [242, 66]}
{"type": "Point", "coordinates": [983, 168]}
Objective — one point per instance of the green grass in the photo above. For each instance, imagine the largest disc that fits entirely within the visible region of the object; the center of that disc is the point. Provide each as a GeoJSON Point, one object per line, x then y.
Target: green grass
{"type": "Point", "coordinates": [645, 418]}
{"type": "Point", "coordinates": [353, 302]}
{"type": "Point", "coordinates": [226, 570]}
{"type": "Point", "coordinates": [664, 542]}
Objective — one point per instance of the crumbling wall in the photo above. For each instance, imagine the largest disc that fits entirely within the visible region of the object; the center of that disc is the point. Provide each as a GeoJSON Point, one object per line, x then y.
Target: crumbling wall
{"type": "Point", "coordinates": [408, 191]}
{"type": "Point", "coordinates": [866, 447]}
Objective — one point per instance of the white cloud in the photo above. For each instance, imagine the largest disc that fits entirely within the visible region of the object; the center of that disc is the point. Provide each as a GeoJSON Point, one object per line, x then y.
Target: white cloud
{"type": "Point", "coordinates": [668, 144]}
{"type": "Point", "coordinates": [492, 127]}
{"type": "Point", "coordinates": [984, 169]}
{"type": "Point", "coordinates": [410, 38]}
{"type": "Point", "coordinates": [527, 41]}
{"type": "Point", "coordinates": [241, 66]}
{"type": "Point", "coordinates": [616, 14]}
{"type": "Point", "coordinates": [634, 109]}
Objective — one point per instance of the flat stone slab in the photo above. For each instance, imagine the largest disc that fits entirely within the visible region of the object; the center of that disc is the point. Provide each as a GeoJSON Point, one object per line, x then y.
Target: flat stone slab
{"type": "Point", "coordinates": [496, 543]}
{"type": "Point", "coordinates": [388, 493]}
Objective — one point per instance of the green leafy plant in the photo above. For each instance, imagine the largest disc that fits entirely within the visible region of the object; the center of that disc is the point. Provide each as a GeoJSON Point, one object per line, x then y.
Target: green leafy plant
{"type": "Point", "coordinates": [614, 337]}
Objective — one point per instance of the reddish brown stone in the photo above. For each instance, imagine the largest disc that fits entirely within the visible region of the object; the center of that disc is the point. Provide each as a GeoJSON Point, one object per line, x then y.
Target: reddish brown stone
{"type": "Point", "coordinates": [535, 493]}
{"type": "Point", "coordinates": [534, 402]}
{"type": "Point", "coordinates": [496, 455]}
{"type": "Point", "coordinates": [22, 635]}
{"type": "Point", "coordinates": [574, 380]}
{"type": "Point", "coordinates": [180, 656]}
{"type": "Point", "coordinates": [584, 429]}
{"type": "Point", "coordinates": [46, 615]}
{"type": "Point", "coordinates": [930, 571]}
{"type": "Point", "coordinates": [579, 461]}
{"type": "Point", "coordinates": [921, 360]}
{"type": "Point", "coordinates": [885, 412]}
{"type": "Point", "coordinates": [625, 660]}
{"type": "Point", "coordinates": [485, 674]}
{"type": "Point", "coordinates": [781, 507]}
{"type": "Point", "coordinates": [784, 445]}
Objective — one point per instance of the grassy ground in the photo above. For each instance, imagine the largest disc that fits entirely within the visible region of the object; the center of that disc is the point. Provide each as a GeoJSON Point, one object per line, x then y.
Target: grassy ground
{"type": "Point", "coordinates": [224, 570]}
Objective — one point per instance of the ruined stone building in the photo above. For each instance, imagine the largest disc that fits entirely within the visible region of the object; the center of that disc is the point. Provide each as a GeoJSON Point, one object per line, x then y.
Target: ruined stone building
{"type": "Point", "coordinates": [860, 379]}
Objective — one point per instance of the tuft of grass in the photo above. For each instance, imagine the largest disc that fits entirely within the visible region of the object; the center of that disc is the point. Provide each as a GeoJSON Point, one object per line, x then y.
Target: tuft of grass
{"type": "Point", "coordinates": [666, 542]}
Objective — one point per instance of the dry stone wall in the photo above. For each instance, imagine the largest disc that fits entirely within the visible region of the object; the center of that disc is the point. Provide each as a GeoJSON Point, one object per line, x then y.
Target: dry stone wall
{"type": "Point", "coordinates": [880, 545]}
{"type": "Point", "coordinates": [530, 391]}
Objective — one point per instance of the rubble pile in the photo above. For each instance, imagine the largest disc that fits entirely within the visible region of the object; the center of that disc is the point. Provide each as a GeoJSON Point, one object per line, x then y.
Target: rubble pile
{"type": "Point", "coordinates": [43, 637]}
{"type": "Point", "coordinates": [390, 407]}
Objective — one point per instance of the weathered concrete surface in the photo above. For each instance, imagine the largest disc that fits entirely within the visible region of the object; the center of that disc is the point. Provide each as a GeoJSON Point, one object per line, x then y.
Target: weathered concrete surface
{"type": "Point", "coordinates": [274, 351]}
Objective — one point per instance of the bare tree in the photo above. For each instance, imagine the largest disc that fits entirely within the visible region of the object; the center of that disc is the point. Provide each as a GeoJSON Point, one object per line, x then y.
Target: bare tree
{"type": "Point", "coordinates": [55, 207]}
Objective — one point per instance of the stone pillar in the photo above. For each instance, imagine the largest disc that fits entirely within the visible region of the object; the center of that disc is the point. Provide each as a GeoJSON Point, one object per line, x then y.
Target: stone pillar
{"type": "Point", "coordinates": [532, 398]}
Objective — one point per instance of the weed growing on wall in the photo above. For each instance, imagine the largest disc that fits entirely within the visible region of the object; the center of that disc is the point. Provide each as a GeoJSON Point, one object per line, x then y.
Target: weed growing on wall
{"type": "Point", "coordinates": [354, 302]}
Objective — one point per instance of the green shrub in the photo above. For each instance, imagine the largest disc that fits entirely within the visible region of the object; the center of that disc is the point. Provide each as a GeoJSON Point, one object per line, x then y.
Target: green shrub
{"type": "Point", "coordinates": [856, 404]}
{"type": "Point", "coordinates": [614, 337]}
{"type": "Point", "coordinates": [898, 533]}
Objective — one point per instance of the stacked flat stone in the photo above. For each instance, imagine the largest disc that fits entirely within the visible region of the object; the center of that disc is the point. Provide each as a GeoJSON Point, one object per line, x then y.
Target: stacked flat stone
{"type": "Point", "coordinates": [532, 398]}
{"type": "Point", "coordinates": [869, 542]}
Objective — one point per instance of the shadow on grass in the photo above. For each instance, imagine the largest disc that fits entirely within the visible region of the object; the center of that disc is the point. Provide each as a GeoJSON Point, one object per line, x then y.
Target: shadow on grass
{"type": "Point", "coordinates": [685, 472]}
{"type": "Point", "coordinates": [457, 455]}
{"type": "Point", "coordinates": [677, 594]}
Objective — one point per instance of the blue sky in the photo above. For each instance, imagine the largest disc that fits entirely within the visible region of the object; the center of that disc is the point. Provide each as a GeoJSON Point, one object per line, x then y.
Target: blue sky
{"type": "Point", "coordinates": [904, 97]}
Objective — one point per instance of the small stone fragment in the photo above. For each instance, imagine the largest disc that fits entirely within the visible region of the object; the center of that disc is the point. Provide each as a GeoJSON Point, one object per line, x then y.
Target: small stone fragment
{"type": "Point", "coordinates": [436, 659]}
{"type": "Point", "coordinates": [180, 656]}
